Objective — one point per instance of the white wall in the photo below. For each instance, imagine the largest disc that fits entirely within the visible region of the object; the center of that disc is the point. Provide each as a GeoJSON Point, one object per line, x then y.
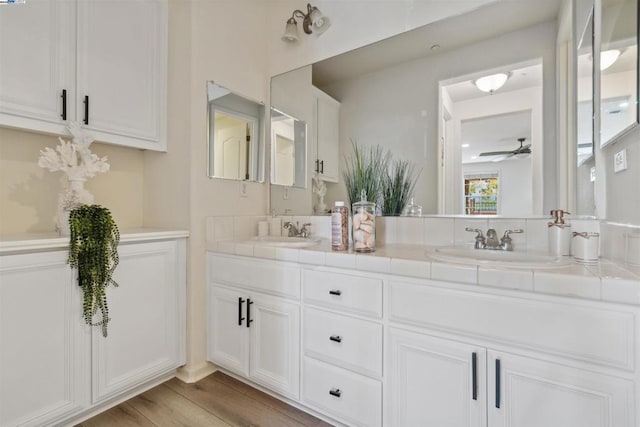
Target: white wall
{"type": "Point", "coordinates": [398, 106]}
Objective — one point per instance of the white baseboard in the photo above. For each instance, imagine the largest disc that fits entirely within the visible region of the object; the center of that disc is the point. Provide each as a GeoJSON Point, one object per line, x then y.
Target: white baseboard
{"type": "Point", "coordinates": [192, 374]}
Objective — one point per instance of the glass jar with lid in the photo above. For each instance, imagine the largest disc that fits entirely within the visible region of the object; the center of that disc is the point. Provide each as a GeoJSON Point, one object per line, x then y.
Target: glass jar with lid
{"type": "Point", "coordinates": [364, 225]}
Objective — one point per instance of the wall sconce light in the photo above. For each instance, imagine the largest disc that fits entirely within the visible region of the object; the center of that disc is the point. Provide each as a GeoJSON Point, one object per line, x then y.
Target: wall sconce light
{"type": "Point", "coordinates": [312, 22]}
{"type": "Point", "coordinates": [492, 83]}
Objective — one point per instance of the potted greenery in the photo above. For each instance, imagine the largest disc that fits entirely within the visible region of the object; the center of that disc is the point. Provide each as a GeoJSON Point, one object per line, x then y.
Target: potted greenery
{"type": "Point", "coordinates": [364, 170]}
{"type": "Point", "coordinates": [397, 187]}
{"type": "Point", "coordinates": [93, 251]}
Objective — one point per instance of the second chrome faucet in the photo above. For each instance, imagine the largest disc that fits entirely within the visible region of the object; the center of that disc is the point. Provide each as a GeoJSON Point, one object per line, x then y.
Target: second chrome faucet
{"type": "Point", "coordinates": [491, 241]}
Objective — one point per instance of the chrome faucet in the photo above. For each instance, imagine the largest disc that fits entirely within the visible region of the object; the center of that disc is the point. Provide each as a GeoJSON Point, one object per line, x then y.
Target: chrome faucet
{"type": "Point", "coordinates": [295, 230]}
{"type": "Point", "coordinates": [491, 240]}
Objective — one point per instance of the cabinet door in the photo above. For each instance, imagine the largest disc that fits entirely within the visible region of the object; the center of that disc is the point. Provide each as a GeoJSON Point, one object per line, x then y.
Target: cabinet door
{"type": "Point", "coordinates": [122, 71]}
{"type": "Point", "coordinates": [43, 346]}
{"type": "Point", "coordinates": [327, 128]}
{"type": "Point", "coordinates": [431, 382]}
{"type": "Point", "coordinates": [275, 344]}
{"type": "Point", "coordinates": [533, 393]}
{"type": "Point", "coordinates": [37, 47]}
{"type": "Point", "coordinates": [146, 328]}
{"type": "Point", "coordinates": [227, 334]}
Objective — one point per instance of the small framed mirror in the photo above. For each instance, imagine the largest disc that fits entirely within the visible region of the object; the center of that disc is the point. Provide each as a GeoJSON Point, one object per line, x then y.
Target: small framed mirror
{"type": "Point", "coordinates": [235, 135]}
{"type": "Point", "coordinates": [619, 69]}
{"type": "Point", "coordinates": [288, 150]}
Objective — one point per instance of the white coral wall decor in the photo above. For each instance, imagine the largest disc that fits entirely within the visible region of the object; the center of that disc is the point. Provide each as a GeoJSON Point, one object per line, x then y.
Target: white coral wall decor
{"type": "Point", "coordinates": [76, 160]}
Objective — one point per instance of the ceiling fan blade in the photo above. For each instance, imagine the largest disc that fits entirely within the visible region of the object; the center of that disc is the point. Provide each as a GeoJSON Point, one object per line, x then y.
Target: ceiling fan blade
{"type": "Point", "coordinates": [495, 153]}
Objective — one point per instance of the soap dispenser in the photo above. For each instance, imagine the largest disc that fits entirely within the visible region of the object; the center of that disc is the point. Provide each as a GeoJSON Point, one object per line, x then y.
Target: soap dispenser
{"type": "Point", "coordinates": [559, 234]}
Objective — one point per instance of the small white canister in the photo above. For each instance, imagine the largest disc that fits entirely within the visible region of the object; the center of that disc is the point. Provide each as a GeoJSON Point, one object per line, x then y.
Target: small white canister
{"type": "Point", "coordinates": [585, 246]}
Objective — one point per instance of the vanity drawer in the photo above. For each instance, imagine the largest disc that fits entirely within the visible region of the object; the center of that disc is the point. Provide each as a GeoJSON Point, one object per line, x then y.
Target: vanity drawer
{"type": "Point", "coordinates": [342, 394]}
{"type": "Point", "coordinates": [344, 341]}
{"type": "Point", "coordinates": [593, 332]}
{"type": "Point", "coordinates": [266, 276]}
{"type": "Point", "coordinates": [356, 294]}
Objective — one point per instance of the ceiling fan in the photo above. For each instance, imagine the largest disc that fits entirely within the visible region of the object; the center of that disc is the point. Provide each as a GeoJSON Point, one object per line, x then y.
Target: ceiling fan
{"type": "Point", "coordinates": [526, 149]}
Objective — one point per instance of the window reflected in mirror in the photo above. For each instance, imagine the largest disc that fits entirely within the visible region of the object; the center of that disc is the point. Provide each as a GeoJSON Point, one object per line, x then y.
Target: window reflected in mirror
{"type": "Point", "coordinates": [619, 92]}
{"type": "Point", "coordinates": [288, 151]}
{"type": "Point", "coordinates": [234, 135]}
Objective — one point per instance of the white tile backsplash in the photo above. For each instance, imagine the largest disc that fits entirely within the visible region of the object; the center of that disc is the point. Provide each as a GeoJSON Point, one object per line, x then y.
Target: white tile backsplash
{"type": "Point", "coordinates": [537, 234]}
{"type": "Point", "coordinates": [438, 231]}
{"type": "Point", "coordinates": [410, 230]}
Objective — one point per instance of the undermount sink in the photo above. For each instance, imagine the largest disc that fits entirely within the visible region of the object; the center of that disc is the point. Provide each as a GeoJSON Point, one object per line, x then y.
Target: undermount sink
{"type": "Point", "coordinates": [284, 242]}
{"type": "Point", "coordinates": [497, 258]}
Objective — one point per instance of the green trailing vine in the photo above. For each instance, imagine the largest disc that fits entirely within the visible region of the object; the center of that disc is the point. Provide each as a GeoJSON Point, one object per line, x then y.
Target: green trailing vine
{"type": "Point", "coordinates": [93, 251]}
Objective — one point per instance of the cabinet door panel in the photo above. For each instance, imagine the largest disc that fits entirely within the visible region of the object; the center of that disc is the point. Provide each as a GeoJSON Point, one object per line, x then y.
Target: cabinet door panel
{"type": "Point", "coordinates": [327, 127]}
{"type": "Point", "coordinates": [431, 382]}
{"type": "Point", "coordinates": [123, 70]}
{"type": "Point", "coordinates": [227, 341]}
{"type": "Point", "coordinates": [37, 47]}
{"type": "Point", "coordinates": [535, 393]}
{"type": "Point", "coordinates": [144, 335]}
{"type": "Point", "coordinates": [42, 343]}
{"type": "Point", "coordinates": [275, 344]}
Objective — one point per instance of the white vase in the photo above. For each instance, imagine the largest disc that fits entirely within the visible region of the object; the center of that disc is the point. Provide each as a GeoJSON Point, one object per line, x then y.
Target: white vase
{"type": "Point", "coordinates": [69, 199]}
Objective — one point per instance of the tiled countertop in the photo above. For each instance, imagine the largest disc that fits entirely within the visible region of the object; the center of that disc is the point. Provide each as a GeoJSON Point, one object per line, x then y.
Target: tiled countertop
{"type": "Point", "coordinates": [605, 280]}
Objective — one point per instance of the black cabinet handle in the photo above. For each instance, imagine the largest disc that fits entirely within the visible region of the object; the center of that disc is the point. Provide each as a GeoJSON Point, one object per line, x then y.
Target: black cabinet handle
{"type": "Point", "coordinates": [317, 166]}
{"type": "Point", "coordinates": [321, 166]}
{"type": "Point", "coordinates": [240, 318]}
{"type": "Point", "coordinates": [474, 375]}
{"type": "Point", "coordinates": [86, 109]}
{"type": "Point", "coordinates": [336, 338]}
{"type": "Point", "coordinates": [498, 383]}
{"type": "Point", "coordinates": [335, 392]}
{"type": "Point", "coordinates": [64, 104]}
{"type": "Point", "coordinates": [249, 319]}
{"type": "Point", "coordinates": [335, 292]}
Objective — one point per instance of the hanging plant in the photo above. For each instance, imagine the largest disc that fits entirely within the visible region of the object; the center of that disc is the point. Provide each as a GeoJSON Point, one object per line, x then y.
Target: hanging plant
{"type": "Point", "coordinates": [93, 251]}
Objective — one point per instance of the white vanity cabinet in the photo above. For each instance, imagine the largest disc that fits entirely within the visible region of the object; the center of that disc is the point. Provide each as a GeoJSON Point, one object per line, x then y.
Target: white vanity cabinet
{"type": "Point", "coordinates": [44, 345]}
{"type": "Point", "coordinates": [146, 331]}
{"type": "Point", "coordinates": [525, 371]}
{"type": "Point", "coordinates": [327, 116]}
{"type": "Point", "coordinates": [54, 369]}
{"type": "Point", "coordinates": [252, 333]}
{"type": "Point", "coordinates": [111, 79]}
{"type": "Point", "coordinates": [342, 345]}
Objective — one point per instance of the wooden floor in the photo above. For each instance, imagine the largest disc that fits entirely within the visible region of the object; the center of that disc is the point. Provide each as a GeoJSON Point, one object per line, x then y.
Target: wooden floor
{"type": "Point", "coordinates": [217, 400]}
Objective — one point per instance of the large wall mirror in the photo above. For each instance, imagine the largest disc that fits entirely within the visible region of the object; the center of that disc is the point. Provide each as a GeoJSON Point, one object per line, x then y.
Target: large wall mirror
{"type": "Point", "coordinates": [235, 135]}
{"type": "Point", "coordinates": [390, 95]}
{"type": "Point", "coordinates": [619, 88]}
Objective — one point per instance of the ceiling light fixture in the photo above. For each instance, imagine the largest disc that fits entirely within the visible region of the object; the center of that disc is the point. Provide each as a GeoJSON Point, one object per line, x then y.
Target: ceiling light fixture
{"type": "Point", "coordinates": [312, 22]}
{"type": "Point", "coordinates": [490, 84]}
{"type": "Point", "coordinates": [465, 145]}
{"type": "Point", "coordinates": [608, 57]}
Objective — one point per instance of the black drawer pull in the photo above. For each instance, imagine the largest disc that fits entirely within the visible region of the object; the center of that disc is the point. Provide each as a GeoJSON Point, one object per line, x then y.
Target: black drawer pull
{"type": "Point", "coordinates": [321, 166]}
{"type": "Point", "coordinates": [317, 166]}
{"type": "Point", "coordinates": [474, 375]}
{"type": "Point", "coordinates": [335, 292]}
{"type": "Point", "coordinates": [86, 110]}
{"type": "Point", "coordinates": [64, 104]}
{"type": "Point", "coordinates": [249, 319]}
{"type": "Point", "coordinates": [336, 338]}
{"type": "Point", "coordinates": [240, 318]}
{"type": "Point", "coordinates": [498, 383]}
{"type": "Point", "coordinates": [335, 392]}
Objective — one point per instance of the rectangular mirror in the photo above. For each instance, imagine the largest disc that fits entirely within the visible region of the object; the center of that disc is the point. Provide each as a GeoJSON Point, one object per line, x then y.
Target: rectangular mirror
{"type": "Point", "coordinates": [235, 132]}
{"type": "Point", "coordinates": [389, 96]}
{"type": "Point", "coordinates": [619, 69]}
{"type": "Point", "coordinates": [288, 150]}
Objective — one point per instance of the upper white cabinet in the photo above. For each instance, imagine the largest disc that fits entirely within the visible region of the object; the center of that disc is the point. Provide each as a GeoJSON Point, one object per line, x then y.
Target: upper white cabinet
{"type": "Point", "coordinates": [327, 156]}
{"type": "Point", "coordinates": [78, 66]}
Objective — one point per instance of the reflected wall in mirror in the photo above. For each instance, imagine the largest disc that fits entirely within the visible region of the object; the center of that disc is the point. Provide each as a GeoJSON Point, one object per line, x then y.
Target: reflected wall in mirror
{"type": "Point", "coordinates": [288, 150]}
{"type": "Point", "coordinates": [389, 96]}
{"type": "Point", "coordinates": [235, 135]}
{"type": "Point", "coordinates": [619, 87]}
{"type": "Point", "coordinates": [496, 133]}
{"type": "Point", "coordinates": [585, 167]}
